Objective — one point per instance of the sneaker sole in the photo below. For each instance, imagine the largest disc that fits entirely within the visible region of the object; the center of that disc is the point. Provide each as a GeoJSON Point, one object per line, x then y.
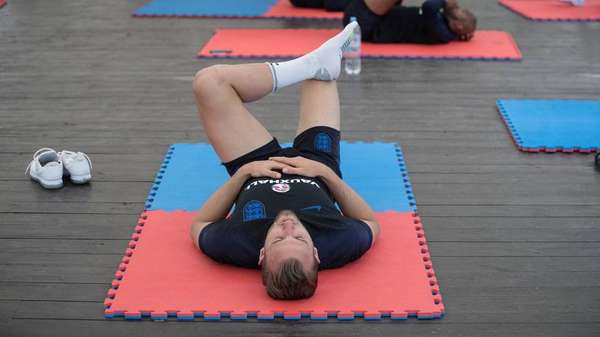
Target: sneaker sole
{"type": "Point", "coordinates": [48, 184]}
{"type": "Point", "coordinates": [81, 179]}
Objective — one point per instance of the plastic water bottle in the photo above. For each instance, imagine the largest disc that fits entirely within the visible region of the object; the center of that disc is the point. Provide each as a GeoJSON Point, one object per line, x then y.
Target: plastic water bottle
{"type": "Point", "coordinates": [352, 53]}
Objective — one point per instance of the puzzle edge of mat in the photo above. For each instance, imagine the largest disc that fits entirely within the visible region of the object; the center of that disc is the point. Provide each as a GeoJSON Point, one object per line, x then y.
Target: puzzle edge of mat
{"type": "Point", "coordinates": [517, 140]}
{"type": "Point", "coordinates": [531, 18]}
{"type": "Point", "coordinates": [158, 178]}
{"type": "Point", "coordinates": [272, 315]}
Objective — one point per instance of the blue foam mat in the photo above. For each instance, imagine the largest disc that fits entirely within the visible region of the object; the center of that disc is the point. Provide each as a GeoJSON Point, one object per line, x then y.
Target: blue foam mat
{"type": "Point", "coordinates": [190, 173]}
{"type": "Point", "coordinates": [220, 8]}
{"type": "Point", "coordinates": [553, 125]}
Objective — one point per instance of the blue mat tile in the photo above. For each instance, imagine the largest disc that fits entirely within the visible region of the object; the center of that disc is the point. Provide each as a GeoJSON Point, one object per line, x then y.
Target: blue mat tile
{"type": "Point", "coordinates": [190, 173]}
{"type": "Point", "coordinates": [220, 8]}
{"type": "Point", "coordinates": [553, 125]}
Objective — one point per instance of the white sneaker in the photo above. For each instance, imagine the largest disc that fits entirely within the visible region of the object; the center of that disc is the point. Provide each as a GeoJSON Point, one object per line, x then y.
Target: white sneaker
{"type": "Point", "coordinates": [46, 168]}
{"type": "Point", "coordinates": [77, 165]}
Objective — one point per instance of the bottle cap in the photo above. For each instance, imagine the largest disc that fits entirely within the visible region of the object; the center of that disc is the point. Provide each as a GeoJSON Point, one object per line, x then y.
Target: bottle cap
{"type": "Point", "coordinates": [352, 18]}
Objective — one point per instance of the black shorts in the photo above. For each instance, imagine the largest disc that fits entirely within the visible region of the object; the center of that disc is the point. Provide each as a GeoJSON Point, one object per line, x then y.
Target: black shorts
{"type": "Point", "coordinates": [388, 28]}
{"type": "Point", "coordinates": [319, 143]}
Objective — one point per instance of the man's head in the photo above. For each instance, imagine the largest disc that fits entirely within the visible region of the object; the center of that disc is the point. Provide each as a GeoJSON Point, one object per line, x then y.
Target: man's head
{"type": "Point", "coordinates": [289, 260]}
{"type": "Point", "coordinates": [461, 21]}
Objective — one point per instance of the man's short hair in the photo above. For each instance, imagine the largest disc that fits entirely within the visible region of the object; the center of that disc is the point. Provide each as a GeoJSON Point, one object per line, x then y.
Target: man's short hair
{"type": "Point", "coordinates": [469, 21]}
{"type": "Point", "coordinates": [290, 281]}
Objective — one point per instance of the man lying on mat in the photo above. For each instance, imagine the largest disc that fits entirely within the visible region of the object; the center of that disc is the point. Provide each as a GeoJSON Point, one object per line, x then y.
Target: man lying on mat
{"type": "Point", "coordinates": [436, 21]}
{"type": "Point", "coordinates": [329, 5]}
{"type": "Point", "coordinates": [285, 218]}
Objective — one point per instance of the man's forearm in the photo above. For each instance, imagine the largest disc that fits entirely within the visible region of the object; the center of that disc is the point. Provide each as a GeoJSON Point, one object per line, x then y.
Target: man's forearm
{"type": "Point", "coordinates": [351, 204]}
{"type": "Point", "coordinates": [220, 202]}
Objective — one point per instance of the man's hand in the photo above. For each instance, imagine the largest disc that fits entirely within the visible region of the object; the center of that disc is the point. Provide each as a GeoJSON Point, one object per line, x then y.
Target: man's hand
{"type": "Point", "coordinates": [263, 168]}
{"type": "Point", "coordinates": [466, 37]}
{"type": "Point", "coordinates": [302, 166]}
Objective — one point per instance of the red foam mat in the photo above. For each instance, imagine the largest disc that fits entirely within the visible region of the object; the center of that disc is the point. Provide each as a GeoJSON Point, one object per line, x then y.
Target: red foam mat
{"type": "Point", "coordinates": [297, 42]}
{"type": "Point", "coordinates": [163, 274]}
{"type": "Point", "coordinates": [554, 10]}
{"type": "Point", "coordinates": [2, 3]}
{"type": "Point", "coordinates": [284, 9]}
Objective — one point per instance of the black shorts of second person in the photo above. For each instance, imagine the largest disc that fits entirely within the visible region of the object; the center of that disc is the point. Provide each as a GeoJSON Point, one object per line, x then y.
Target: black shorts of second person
{"type": "Point", "coordinates": [319, 143]}
{"type": "Point", "coordinates": [396, 26]}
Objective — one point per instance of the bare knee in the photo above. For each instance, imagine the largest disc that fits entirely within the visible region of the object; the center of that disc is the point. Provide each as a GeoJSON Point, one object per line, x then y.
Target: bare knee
{"type": "Point", "coordinates": [208, 80]}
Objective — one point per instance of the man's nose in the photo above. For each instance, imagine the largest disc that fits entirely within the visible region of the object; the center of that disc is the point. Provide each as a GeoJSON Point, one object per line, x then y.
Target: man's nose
{"type": "Point", "coordinates": [287, 227]}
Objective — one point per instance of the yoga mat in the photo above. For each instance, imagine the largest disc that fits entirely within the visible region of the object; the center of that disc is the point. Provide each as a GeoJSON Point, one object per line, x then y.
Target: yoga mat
{"type": "Point", "coordinates": [190, 173]}
{"type": "Point", "coordinates": [554, 10]}
{"type": "Point", "coordinates": [552, 125]}
{"type": "Point", "coordinates": [205, 8]}
{"type": "Point", "coordinates": [163, 275]}
{"type": "Point", "coordinates": [264, 9]}
{"type": "Point", "coordinates": [283, 9]}
{"type": "Point", "coordinates": [288, 43]}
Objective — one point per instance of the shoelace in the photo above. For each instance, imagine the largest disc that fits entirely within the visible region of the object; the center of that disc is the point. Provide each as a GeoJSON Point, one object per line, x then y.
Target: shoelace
{"type": "Point", "coordinates": [38, 153]}
{"type": "Point", "coordinates": [75, 155]}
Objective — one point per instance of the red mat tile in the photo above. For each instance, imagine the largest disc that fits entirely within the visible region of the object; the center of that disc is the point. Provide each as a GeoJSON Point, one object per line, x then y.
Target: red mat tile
{"type": "Point", "coordinates": [2, 3]}
{"type": "Point", "coordinates": [163, 275]}
{"type": "Point", "coordinates": [284, 9]}
{"type": "Point", "coordinates": [284, 43]}
{"type": "Point", "coordinates": [554, 10]}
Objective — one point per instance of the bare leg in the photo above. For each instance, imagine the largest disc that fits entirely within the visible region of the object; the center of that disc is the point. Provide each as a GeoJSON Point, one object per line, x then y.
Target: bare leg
{"type": "Point", "coordinates": [380, 7]}
{"type": "Point", "coordinates": [220, 93]}
{"type": "Point", "coordinates": [319, 105]}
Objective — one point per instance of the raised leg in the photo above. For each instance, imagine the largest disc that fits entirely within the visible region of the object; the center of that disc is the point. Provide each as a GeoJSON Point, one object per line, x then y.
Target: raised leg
{"type": "Point", "coordinates": [220, 93]}
{"type": "Point", "coordinates": [319, 105]}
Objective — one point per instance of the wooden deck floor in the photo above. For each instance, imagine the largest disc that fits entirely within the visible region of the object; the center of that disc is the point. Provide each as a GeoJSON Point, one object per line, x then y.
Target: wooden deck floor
{"type": "Point", "coordinates": [515, 237]}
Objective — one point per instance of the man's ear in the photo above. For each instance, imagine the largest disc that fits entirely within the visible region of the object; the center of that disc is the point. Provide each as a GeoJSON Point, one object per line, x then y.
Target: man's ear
{"type": "Point", "coordinates": [316, 252]}
{"type": "Point", "coordinates": [261, 256]}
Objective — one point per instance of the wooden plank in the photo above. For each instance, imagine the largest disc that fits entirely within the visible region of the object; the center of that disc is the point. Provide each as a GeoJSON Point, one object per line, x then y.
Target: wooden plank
{"type": "Point", "coordinates": [489, 271]}
{"type": "Point", "coordinates": [438, 229]}
{"type": "Point", "coordinates": [42, 327]}
{"type": "Point", "coordinates": [494, 193]}
{"type": "Point", "coordinates": [468, 304]}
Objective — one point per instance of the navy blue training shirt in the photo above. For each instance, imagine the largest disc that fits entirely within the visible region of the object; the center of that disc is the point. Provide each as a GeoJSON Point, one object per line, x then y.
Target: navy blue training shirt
{"type": "Point", "coordinates": [426, 24]}
{"type": "Point", "coordinates": [238, 239]}
{"type": "Point", "coordinates": [432, 14]}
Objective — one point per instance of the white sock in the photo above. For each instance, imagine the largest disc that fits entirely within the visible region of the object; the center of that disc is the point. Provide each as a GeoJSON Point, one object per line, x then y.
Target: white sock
{"type": "Point", "coordinates": [321, 64]}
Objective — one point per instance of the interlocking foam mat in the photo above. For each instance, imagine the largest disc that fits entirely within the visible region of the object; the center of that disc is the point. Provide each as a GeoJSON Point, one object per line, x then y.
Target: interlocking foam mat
{"type": "Point", "coordinates": [552, 125]}
{"type": "Point", "coordinates": [232, 8]}
{"type": "Point", "coordinates": [284, 43]}
{"type": "Point", "coordinates": [554, 10]}
{"type": "Point", "coordinates": [190, 173]}
{"type": "Point", "coordinates": [284, 9]}
{"type": "Point", "coordinates": [163, 275]}
{"type": "Point", "coordinates": [207, 8]}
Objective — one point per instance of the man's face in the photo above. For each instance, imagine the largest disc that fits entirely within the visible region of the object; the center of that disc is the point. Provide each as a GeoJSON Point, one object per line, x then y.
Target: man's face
{"type": "Point", "coordinates": [288, 238]}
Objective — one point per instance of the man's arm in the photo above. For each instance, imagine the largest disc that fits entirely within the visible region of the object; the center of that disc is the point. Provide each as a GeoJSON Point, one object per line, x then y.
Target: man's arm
{"type": "Point", "coordinates": [220, 202]}
{"type": "Point", "coordinates": [351, 204]}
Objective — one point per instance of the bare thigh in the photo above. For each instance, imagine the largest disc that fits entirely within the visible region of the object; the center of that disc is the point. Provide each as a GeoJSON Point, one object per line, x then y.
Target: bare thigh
{"type": "Point", "coordinates": [221, 92]}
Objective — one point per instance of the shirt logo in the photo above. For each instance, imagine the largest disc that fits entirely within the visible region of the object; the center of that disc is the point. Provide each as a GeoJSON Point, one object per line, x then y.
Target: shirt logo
{"type": "Point", "coordinates": [323, 142]}
{"type": "Point", "coordinates": [281, 188]}
{"type": "Point", "coordinates": [254, 210]}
